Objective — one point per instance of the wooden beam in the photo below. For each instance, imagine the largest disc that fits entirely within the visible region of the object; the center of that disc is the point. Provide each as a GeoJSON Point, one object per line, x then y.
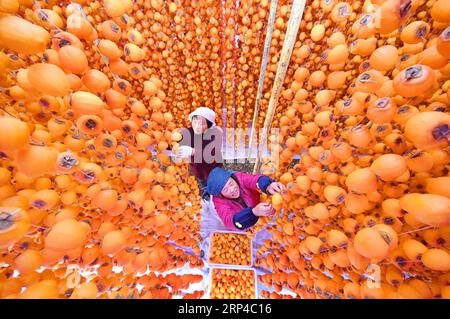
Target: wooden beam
{"type": "Point", "coordinates": [291, 35]}
{"type": "Point", "coordinates": [262, 72]}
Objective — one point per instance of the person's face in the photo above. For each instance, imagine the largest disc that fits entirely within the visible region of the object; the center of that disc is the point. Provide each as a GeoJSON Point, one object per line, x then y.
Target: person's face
{"type": "Point", "coordinates": [199, 124]}
{"type": "Point", "coordinates": [231, 189]}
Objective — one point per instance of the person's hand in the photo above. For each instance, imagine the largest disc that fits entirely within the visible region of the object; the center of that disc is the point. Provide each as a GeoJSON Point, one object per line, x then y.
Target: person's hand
{"type": "Point", "coordinates": [185, 151]}
{"type": "Point", "coordinates": [263, 209]}
{"type": "Point", "coordinates": [276, 187]}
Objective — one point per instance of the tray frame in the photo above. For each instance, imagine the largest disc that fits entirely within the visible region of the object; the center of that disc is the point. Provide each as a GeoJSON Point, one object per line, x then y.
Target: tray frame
{"type": "Point", "coordinates": [248, 267]}
{"type": "Point", "coordinates": [232, 268]}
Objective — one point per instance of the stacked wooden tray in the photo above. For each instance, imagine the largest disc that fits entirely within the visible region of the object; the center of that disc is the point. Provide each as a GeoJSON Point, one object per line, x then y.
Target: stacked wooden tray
{"type": "Point", "coordinates": [231, 259]}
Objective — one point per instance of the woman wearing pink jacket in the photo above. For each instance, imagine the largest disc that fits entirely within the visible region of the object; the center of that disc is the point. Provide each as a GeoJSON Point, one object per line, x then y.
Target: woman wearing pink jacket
{"type": "Point", "coordinates": [236, 197]}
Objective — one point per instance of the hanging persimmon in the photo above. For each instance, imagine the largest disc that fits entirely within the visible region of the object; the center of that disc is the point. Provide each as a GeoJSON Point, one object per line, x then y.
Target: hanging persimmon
{"type": "Point", "coordinates": [48, 79]}
{"type": "Point", "coordinates": [15, 134]}
{"type": "Point", "coordinates": [28, 156]}
{"type": "Point", "coordinates": [22, 36]}
{"type": "Point", "coordinates": [66, 235]}
{"type": "Point", "coordinates": [14, 224]}
{"type": "Point", "coordinates": [85, 103]}
{"type": "Point", "coordinates": [428, 130]}
{"type": "Point", "coordinates": [430, 209]}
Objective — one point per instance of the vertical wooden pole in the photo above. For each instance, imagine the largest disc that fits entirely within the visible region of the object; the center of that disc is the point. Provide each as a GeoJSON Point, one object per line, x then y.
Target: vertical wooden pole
{"type": "Point", "coordinates": [291, 35]}
{"type": "Point", "coordinates": [262, 72]}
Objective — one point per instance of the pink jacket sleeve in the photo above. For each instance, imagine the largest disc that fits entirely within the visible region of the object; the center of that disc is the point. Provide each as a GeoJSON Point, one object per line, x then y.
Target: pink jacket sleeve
{"type": "Point", "coordinates": [249, 180]}
{"type": "Point", "coordinates": [225, 212]}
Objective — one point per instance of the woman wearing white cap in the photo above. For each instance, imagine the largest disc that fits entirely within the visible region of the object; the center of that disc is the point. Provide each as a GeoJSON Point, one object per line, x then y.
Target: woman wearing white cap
{"type": "Point", "coordinates": [202, 144]}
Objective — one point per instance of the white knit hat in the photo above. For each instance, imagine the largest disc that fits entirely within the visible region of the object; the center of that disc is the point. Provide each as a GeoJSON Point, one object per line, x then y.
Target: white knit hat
{"type": "Point", "coordinates": [205, 112]}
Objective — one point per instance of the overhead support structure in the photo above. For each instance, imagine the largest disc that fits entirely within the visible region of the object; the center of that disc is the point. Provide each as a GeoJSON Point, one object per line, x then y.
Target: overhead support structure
{"type": "Point", "coordinates": [291, 35]}
{"type": "Point", "coordinates": [262, 73]}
